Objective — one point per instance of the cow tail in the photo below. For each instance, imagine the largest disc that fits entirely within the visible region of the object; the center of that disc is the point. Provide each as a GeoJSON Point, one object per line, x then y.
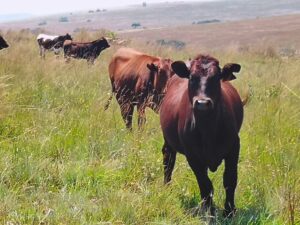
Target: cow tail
{"type": "Point", "coordinates": [247, 97]}
{"type": "Point", "coordinates": [108, 101]}
{"type": "Point", "coordinates": [245, 100]}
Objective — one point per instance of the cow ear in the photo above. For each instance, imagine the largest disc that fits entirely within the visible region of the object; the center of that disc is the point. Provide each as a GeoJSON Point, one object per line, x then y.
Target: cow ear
{"type": "Point", "coordinates": [188, 63]}
{"type": "Point", "coordinates": [180, 68]}
{"type": "Point", "coordinates": [152, 67]}
{"type": "Point", "coordinates": [228, 70]}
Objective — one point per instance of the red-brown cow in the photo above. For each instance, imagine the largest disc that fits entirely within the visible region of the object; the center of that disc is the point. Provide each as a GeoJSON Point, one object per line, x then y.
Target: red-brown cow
{"type": "Point", "coordinates": [138, 80]}
{"type": "Point", "coordinates": [200, 117]}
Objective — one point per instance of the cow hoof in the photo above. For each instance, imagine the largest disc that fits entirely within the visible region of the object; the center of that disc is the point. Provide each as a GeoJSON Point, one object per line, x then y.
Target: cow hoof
{"type": "Point", "coordinates": [196, 211]}
{"type": "Point", "coordinates": [209, 208]}
{"type": "Point", "coordinates": [229, 213]}
{"type": "Point", "coordinates": [203, 210]}
{"type": "Point", "coordinates": [206, 214]}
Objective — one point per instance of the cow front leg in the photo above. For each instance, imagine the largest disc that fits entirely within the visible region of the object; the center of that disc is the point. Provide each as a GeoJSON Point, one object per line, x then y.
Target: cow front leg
{"type": "Point", "coordinates": [91, 61]}
{"type": "Point", "coordinates": [169, 158]}
{"type": "Point", "coordinates": [205, 185]}
{"type": "Point", "coordinates": [127, 112]}
{"type": "Point", "coordinates": [141, 115]}
{"type": "Point", "coordinates": [40, 51]}
{"type": "Point", "coordinates": [230, 179]}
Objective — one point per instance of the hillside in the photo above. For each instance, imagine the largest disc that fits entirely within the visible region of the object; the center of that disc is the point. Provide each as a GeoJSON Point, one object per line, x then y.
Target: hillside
{"type": "Point", "coordinates": [159, 15]}
{"type": "Point", "coordinates": [281, 33]}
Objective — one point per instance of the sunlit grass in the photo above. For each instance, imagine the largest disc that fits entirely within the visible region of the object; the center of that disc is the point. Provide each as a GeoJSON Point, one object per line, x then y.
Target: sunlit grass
{"type": "Point", "coordinates": [64, 160]}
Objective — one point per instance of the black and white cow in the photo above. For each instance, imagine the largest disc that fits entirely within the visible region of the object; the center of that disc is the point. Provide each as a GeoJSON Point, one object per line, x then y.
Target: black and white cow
{"type": "Point", "coordinates": [3, 43]}
{"type": "Point", "coordinates": [51, 43]}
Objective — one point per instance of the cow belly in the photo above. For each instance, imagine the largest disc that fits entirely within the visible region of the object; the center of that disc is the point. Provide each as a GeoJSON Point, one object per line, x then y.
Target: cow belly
{"type": "Point", "coordinates": [209, 155]}
{"type": "Point", "coordinates": [172, 140]}
{"type": "Point", "coordinates": [205, 158]}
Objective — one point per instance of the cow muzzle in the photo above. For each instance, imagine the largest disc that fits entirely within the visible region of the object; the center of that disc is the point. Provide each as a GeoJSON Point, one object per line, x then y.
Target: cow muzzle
{"type": "Point", "coordinates": [203, 104]}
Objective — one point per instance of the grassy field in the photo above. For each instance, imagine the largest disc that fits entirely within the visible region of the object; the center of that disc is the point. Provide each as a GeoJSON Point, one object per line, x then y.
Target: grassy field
{"type": "Point", "coordinates": [64, 160]}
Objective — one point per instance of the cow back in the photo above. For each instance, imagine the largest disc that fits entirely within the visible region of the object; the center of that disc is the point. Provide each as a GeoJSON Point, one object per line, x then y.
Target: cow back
{"type": "Point", "coordinates": [128, 65]}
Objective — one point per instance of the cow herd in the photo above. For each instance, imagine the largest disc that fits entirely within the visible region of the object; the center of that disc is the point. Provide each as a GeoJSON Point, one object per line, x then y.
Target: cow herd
{"type": "Point", "coordinates": [83, 50]}
{"type": "Point", "coordinates": [200, 112]}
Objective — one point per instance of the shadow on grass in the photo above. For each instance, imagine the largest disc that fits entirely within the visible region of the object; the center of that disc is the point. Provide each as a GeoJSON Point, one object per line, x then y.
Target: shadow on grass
{"type": "Point", "coordinates": [253, 215]}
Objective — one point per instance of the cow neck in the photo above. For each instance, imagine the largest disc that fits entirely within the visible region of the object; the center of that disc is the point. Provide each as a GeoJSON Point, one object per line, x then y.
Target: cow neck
{"type": "Point", "coordinates": [203, 126]}
{"type": "Point", "coordinates": [207, 123]}
{"type": "Point", "coordinates": [152, 75]}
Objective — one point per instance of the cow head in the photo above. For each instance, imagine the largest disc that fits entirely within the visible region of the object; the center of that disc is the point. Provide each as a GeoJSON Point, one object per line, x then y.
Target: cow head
{"type": "Point", "coordinates": [62, 38]}
{"type": "Point", "coordinates": [68, 37]}
{"type": "Point", "coordinates": [100, 45]}
{"type": "Point", "coordinates": [3, 43]}
{"type": "Point", "coordinates": [205, 77]}
{"type": "Point", "coordinates": [59, 42]}
{"type": "Point", "coordinates": [104, 43]}
{"type": "Point", "coordinates": [162, 71]}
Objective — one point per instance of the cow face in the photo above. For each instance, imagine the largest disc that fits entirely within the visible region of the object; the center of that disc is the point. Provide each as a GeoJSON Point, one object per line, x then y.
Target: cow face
{"type": "Point", "coordinates": [3, 43]}
{"type": "Point", "coordinates": [68, 37]}
{"type": "Point", "coordinates": [101, 44]}
{"type": "Point", "coordinates": [104, 43]}
{"type": "Point", "coordinates": [205, 76]}
{"type": "Point", "coordinates": [62, 39]}
{"type": "Point", "coordinates": [163, 71]}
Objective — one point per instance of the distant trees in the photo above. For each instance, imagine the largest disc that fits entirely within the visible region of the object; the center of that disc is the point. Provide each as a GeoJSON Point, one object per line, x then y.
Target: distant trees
{"type": "Point", "coordinates": [144, 4]}
{"type": "Point", "coordinates": [43, 23]}
{"type": "Point", "coordinates": [97, 10]}
{"type": "Point", "coordinates": [63, 19]}
{"type": "Point", "coordinates": [206, 21]}
{"type": "Point", "coordinates": [171, 43]}
{"type": "Point", "coordinates": [135, 25]}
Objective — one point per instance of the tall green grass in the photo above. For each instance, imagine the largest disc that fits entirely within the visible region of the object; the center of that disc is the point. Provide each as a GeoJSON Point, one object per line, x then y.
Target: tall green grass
{"type": "Point", "coordinates": [64, 160]}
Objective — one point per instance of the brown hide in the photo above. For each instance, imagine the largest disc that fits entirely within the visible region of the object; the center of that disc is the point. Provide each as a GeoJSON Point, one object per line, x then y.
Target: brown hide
{"type": "Point", "coordinates": [138, 79]}
{"type": "Point", "coordinates": [200, 117]}
{"type": "Point", "coordinates": [85, 50]}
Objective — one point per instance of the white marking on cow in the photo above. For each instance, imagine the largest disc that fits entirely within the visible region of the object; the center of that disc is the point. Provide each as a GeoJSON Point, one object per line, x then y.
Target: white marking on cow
{"type": "Point", "coordinates": [46, 37]}
{"type": "Point", "coordinates": [206, 65]}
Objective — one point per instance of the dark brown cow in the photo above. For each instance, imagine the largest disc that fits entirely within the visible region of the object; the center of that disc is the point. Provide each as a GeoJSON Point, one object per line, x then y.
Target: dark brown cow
{"type": "Point", "coordinates": [138, 80]}
{"type": "Point", "coordinates": [85, 50]}
{"type": "Point", "coordinates": [200, 117]}
{"type": "Point", "coordinates": [3, 43]}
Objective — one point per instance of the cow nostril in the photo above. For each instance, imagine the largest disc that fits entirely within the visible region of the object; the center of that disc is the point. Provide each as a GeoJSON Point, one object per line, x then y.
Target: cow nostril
{"type": "Point", "coordinates": [203, 104]}
{"type": "Point", "coordinates": [208, 103]}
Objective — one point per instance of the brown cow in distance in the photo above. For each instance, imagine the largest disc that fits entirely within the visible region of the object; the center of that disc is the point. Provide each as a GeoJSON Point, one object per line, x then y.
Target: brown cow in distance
{"type": "Point", "coordinates": [200, 117]}
{"type": "Point", "coordinates": [138, 80]}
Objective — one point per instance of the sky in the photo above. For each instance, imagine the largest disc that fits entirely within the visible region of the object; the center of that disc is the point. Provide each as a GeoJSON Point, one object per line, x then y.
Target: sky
{"type": "Point", "coordinates": [45, 7]}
